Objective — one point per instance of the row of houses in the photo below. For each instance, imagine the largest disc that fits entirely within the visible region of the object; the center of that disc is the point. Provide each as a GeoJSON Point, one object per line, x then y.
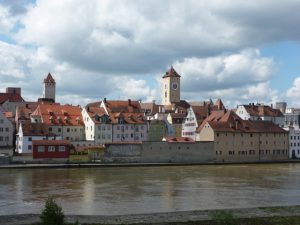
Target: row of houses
{"type": "Point", "coordinates": [252, 131]}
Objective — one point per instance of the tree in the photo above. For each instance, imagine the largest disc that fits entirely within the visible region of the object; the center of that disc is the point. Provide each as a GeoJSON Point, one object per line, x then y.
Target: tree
{"type": "Point", "coordinates": [52, 214]}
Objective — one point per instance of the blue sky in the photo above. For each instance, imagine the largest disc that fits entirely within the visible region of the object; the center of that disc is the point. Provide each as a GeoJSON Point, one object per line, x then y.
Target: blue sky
{"type": "Point", "coordinates": [239, 51]}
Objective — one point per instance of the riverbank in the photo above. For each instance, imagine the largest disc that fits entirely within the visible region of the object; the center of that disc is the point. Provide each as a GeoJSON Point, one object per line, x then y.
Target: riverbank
{"type": "Point", "coordinates": [89, 165]}
{"type": "Point", "coordinates": [264, 215]}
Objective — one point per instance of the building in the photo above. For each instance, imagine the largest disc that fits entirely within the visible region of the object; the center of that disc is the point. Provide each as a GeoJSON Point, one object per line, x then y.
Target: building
{"type": "Point", "coordinates": [197, 113]}
{"type": "Point", "coordinates": [6, 130]}
{"type": "Point", "coordinates": [98, 126]}
{"type": "Point", "coordinates": [260, 112]}
{"type": "Point", "coordinates": [49, 87]}
{"type": "Point", "coordinates": [51, 149]}
{"type": "Point", "coordinates": [238, 140]}
{"type": "Point", "coordinates": [175, 121]}
{"type": "Point", "coordinates": [292, 118]}
{"type": "Point", "coordinates": [157, 129]}
{"type": "Point", "coordinates": [11, 99]}
{"type": "Point", "coordinates": [29, 132]}
{"type": "Point", "coordinates": [281, 106]}
{"type": "Point", "coordinates": [62, 120]}
{"type": "Point", "coordinates": [124, 121]}
{"type": "Point", "coordinates": [294, 143]}
{"type": "Point", "coordinates": [170, 87]}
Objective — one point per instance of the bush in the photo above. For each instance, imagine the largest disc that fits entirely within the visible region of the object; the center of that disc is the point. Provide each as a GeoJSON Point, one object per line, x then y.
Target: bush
{"type": "Point", "coordinates": [52, 214]}
{"type": "Point", "coordinates": [223, 218]}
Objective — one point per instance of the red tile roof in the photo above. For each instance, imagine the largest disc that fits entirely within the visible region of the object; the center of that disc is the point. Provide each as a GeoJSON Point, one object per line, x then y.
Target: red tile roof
{"type": "Point", "coordinates": [263, 110]}
{"type": "Point", "coordinates": [12, 97]}
{"type": "Point", "coordinates": [179, 140]}
{"type": "Point", "coordinates": [129, 106]}
{"type": "Point", "coordinates": [171, 73]}
{"type": "Point", "coordinates": [231, 122]}
{"type": "Point", "coordinates": [51, 142]}
{"type": "Point", "coordinates": [35, 129]}
{"type": "Point", "coordinates": [49, 79]}
{"type": "Point", "coordinates": [59, 115]}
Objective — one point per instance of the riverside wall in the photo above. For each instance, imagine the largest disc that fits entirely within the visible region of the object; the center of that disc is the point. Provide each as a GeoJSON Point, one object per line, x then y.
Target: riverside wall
{"type": "Point", "coordinates": [160, 152]}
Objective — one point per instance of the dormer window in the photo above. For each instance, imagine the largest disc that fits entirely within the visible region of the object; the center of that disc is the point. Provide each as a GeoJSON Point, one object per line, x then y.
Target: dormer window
{"type": "Point", "coordinates": [121, 120]}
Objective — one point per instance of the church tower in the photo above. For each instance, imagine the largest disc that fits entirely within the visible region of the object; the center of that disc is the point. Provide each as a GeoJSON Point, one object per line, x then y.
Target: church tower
{"type": "Point", "coordinates": [49, 87]}
{"type": "Point", "coordinates": [170, 87]}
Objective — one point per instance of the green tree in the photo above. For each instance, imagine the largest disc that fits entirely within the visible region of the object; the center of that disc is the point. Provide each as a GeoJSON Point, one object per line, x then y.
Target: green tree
{"type": "Point", "coordinates": [52, 214]}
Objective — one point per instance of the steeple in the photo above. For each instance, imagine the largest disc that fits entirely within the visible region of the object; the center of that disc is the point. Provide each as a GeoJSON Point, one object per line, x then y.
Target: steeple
{"type": "Point", "coordinates": [49, 79]}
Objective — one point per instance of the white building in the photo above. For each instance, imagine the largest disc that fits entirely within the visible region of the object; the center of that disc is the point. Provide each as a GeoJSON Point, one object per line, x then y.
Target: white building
{"type": "Point", "coordinates": [115, 121]}
{"type": "Point", "coordinates": [294, 143]}
{"type": "Point", "coordinates": [6, 130]}
{"type": "Point", "coordinates": [260, 112]}
{"type": "Point", "coordinates": [29, 132]}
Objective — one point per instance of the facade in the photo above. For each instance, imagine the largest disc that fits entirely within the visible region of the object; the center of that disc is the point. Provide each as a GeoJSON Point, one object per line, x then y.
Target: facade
{"type": "Point", "coordinates": [6, 130]}
{"type": "Point", "coordinates": [170, 87]}
{"type": "Point", "coordinates": [260, 112]}
{"type": "Point", "coordinates": [115, 121]}
{"type": "Point", "coordinates": [294, 143]}
{"type": "Point", "coordinates": [29, 132]}
{"type": "Point", "coordinates": [49, 87]}
{"type": "Point", "coordinates": [62, 120]}
{"type": "Point", "coordinates": [238, 140]}
{"type": "Point", "coordinates": [11, 99]}
{"type": "Point", "coordinates": [175, 120]}
{"type": "Point", "coordinates": [49, 149]}
{"type": "Point", "coordinates": [98, 127]}
{"type": "Point", "coordinates": [157, 129]}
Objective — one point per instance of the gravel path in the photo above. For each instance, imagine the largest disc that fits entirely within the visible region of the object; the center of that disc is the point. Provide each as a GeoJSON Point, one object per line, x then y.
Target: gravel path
{"type": "Point", "coordinates": [158, 218]}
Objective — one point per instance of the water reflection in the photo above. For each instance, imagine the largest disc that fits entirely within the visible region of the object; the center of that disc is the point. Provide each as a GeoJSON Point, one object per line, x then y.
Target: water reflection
{"type": "Point", "coordinates": [111, 191]}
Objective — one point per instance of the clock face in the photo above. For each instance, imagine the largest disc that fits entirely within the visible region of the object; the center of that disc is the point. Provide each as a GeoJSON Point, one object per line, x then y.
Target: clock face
{"type": "Point", "coordinates": [174, 86]}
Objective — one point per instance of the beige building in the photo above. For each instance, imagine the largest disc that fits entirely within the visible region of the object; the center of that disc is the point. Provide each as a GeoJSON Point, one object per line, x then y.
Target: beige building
{"type": "Point", "coordinates": [170, 87]}
{"type": "Point", "coordinates": [238, 140]}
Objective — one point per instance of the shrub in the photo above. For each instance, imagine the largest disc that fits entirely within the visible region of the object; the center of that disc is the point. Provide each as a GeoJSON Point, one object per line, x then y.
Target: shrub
{"type": "Point", "coordinates": [52, 214]}
{"type": "Point", "coordinates": [223, 218]}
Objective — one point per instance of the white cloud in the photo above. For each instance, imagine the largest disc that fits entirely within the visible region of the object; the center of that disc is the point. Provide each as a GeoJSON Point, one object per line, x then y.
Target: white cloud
{"type": "Point", "coordinates": [237, 77]}
{"type": "Point", "coordinates": [7, 22]}
{"type": "Point", "coordinates": [293, 93]}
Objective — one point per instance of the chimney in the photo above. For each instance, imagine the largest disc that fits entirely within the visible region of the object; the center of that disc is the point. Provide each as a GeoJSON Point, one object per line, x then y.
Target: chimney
{"type": "Point", "coordinates": [236, 124]}
{"type": "Point", "coordinates": [26, 106]}
{"type": "Point", "coordinates": [153, 101]}
{"type": "Point", "coordinates": [104, 100]}
{"type": "Point", "coordinates": [129, 102]}
{"type": "Point", "coordinates": [271, 106]}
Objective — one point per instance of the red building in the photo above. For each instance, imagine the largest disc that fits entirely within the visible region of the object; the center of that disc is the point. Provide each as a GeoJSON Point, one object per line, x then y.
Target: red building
{"type": "Point", "coordinates": [51, 149]}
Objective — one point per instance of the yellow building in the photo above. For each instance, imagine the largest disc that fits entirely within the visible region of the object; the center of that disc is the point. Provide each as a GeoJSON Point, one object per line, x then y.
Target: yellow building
{"type": "Point", "coordinates": [157, 130]}
{"type": "Point", "coordinates": [244, 140]}
{"type": "Point", "coordinates": [170, 87]}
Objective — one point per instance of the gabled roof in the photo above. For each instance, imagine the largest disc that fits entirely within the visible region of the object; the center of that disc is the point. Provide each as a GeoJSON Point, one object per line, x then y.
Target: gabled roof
{"type": "Point", "coordinates": [171, 73]}
{"type": "Point", "coordinates": [129, 106]}
{"type": "Point", "coordinates": [49, 79]}
{"type": "Point", "coordinates": [262, 110]}
{"type": "Point", "coordinates": [231, 122]}
{"type": "Point", "coordinates": [59, 115]}
{"type": "Point", "coordinates": [35, 129]}
{"type": "Point", "coordinates": [12, 97]}
{"type": "Point", "coordinates": [95, 113]}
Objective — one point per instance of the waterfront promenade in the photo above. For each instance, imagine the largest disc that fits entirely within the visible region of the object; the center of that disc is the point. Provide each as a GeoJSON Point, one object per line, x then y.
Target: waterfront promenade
{"type": "Point", "coordinates": [160, 218]}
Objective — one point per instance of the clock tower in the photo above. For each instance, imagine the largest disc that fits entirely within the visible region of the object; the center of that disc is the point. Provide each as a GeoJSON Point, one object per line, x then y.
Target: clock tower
{"type": "Point", "coordinates": [170, 87]}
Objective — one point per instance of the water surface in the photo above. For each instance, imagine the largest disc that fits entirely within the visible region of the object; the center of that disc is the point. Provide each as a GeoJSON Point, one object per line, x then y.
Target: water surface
{"type": "Point", "coordinates": [130, 190]}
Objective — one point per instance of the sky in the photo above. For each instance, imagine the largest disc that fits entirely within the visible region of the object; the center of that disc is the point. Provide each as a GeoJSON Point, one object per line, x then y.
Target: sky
{"type": "Point", "coordinates": [239, 51]}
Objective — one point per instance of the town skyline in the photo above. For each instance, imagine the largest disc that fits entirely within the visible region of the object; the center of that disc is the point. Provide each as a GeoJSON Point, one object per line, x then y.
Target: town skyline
{"type": "Point", "coordinates": [246, 52]}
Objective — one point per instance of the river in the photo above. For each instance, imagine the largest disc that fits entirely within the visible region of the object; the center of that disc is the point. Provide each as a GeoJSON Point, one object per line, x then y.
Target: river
{"type": "Point", "coordinates": [131, 190]}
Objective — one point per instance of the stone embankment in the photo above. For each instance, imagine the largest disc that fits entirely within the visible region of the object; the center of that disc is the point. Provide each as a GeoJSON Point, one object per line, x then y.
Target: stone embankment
{"type": "Point", "coordinates": [160, 218]}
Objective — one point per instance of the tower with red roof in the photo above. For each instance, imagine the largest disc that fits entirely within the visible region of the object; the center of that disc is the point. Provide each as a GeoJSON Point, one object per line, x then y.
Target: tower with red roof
{"type": "Point", "coordinates": [49, 87]}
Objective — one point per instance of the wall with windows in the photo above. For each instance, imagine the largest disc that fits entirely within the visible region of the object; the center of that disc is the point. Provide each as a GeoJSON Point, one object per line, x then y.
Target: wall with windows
{"type": "Point", "coordinates": [129, 132]}
{"type": "Point", "coordinates": [294, 143]}
{"type": "Point", "coordinates": [71, 133]}
{"type": "Point", "coordinates": [50, 151]}
{"type": "Point", "coordinates": [190, 125]}
{"type": "Point", "coordinates": [6, 131]}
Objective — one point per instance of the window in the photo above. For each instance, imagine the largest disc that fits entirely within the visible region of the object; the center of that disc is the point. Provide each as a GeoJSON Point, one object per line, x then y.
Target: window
{"type": "Point", "coordinates": [118, 135]}
{"type": "Point", "coordinates": [1, 129]}
{"type": "Point", "coordinates": [29, 147]}
{"type": "Point", "coordinates": [7, 129]}
{"type": "Point", "coordinates": [118, 127]}
{"type": "Point", "coordinates": [59, 129]}
{"type": "Point", "coordinates": [68, 129]}
{"type": "Point", "coordinates": [1, 138]}
{"type": "Point", "coordinates": [30, 139]}
{"type": "Point", "coordinates": [41, 148]}
{"type": "Point", "coordinates": [51, 148]}
{"type": "Point", "coordinates": [61, 148]}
